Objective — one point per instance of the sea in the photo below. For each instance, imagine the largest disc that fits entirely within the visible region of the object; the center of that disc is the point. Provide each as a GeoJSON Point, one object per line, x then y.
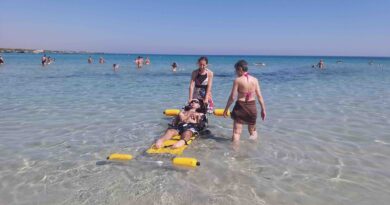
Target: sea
{"type": "Point", "coordinates": [326, 138]}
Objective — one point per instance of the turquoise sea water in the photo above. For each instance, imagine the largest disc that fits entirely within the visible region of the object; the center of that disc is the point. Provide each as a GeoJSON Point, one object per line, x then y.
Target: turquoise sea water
{"type": "Point", "coordinates": [326, 139]}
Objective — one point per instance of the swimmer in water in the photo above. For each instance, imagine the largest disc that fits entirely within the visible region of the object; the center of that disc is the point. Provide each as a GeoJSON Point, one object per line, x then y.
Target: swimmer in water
{"type": "Point", "coordinates": [90, 60]}
{"type": "Point", "coordinates": [101, 60]}
{"type": "Point", "coordinates": [321, 64]}
{"type": "Point", "coordinates": [43, 59]}
{"type": "Point", "coordinates": [49, 60]}
{"type": "Point", "coordinates": [174, 66]}
{"type": "Point", "coordinates": [1, 60]}
{"type": "Point", "coordinates": [115, 67]}
{"type": "Point", "coordinates": [147, 61]}
{"type": "Point", "coordinates": [139, 61]}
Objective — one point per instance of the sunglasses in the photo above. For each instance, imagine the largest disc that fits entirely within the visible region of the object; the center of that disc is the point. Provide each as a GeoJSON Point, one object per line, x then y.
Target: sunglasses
{"type": "Point", "coordinates": [194, 101]}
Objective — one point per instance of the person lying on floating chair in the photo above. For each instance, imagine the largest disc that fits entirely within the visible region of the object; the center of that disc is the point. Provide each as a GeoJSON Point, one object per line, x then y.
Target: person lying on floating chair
{"type": "Point", "coordinates": [189, 122]}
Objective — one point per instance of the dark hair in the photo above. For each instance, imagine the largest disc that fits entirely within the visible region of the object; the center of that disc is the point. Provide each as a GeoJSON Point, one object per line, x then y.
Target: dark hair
{"type": "Point", "coordinates": [241, 64]}
{"type": "Point", "coordinates": [174, 64]}
{"type": "Point", "coordinates": [203, 58]}
{"type": "Point", "coordinates": [202, 107]}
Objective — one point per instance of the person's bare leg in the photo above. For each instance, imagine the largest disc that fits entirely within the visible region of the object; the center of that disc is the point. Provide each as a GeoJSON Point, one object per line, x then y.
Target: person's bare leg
{"type": "Point", "coordinates": [168, 135]}
{"type": "Point", "coordinates": [252, 132]}
{"type": "Point", "coordinates": [186, 136]}
{"type": "Point", "coordinates": [237, 129]}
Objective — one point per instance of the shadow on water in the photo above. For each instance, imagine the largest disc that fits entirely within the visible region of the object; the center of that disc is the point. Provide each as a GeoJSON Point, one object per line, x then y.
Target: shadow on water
{"type": "Point", "coordinates": [187, 75]}
{"type": "Point", "coordinates": [286, 75]}
{"type": "Point", "coordinates": [147, 164]}
{"type": "Point", "coordinates": [207, 134]}
{"type": "Point", "coordinates": [164, 74]}
{"type": "Point", "coordinates": [81, 75]}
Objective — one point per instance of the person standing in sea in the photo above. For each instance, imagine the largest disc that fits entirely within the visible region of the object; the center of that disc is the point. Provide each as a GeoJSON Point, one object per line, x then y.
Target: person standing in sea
{"type": "Point", "coordinates": [90, 60]}
{"type": "Point", "coordinates": [101, 60]}
{"type": "Point", "coordinates": [43, 60]}
{"type": "Point", "coordinates": [174, 66]}
{"type": "Point", "coordinates": [1, 60]}
{"type": "Point", "coordinates": [201, 83]}
{"type": "Point", "coordinates": [115, 67]}
{"type": "Point", "coordinates": [147, 60]}
{"type": "Point", "coordinates": [246, 88]}
{"type": "Point", "coordinates": [321, 64]}
{"type": "Point", "coordinates": [139, 61]}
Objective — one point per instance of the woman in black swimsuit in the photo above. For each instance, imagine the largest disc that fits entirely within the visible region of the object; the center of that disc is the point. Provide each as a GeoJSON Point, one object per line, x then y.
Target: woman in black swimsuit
{"type": "Point", "coordinates": [201, 83]}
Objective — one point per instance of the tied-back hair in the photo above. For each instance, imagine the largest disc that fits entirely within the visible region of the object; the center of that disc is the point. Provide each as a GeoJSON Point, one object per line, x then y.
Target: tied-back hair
{"type": "Point", "coordinates": [203, 58]}
{"type": "Point", "coordinates": [241, 64]}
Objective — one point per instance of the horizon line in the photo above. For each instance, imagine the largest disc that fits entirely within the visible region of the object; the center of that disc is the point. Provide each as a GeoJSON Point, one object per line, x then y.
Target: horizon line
{"type": "Point", "coordinates": [187, 54]}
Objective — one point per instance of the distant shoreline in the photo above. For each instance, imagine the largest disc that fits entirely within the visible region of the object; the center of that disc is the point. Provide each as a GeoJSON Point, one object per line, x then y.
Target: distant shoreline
{"type": "Point", "coordinates": [38, 51]}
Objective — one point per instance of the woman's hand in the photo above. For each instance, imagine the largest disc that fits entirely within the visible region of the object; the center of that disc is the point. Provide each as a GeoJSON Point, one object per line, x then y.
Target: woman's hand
{"type": "Point", "coordinates": [206, 100]}
{"type": "Point", "coordinates": [193, 116]}
{"type": "Point", "coordinates": [225, 113]}
{"type": "Point", "coordinates": [263, 115]}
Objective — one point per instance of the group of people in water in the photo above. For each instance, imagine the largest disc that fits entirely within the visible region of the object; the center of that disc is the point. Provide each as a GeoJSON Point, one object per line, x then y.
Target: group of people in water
{"type": "Point", "coordinates": [47, 60]}
{"type": "Point", "coordinates": [101, 60]}
{"type": "Point", "coordinates": [320, 65]}
{"type": "Point", "coordinates": [245, 91]}
{"type": "Point", "coordinates": [115, 67]}
{"type": "Point", "coordinates": [139, 61]}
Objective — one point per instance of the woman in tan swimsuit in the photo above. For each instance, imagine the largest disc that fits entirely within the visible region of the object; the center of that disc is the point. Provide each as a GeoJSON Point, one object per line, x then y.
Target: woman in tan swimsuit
{"type": "Point", "coordinates": [245, 87]}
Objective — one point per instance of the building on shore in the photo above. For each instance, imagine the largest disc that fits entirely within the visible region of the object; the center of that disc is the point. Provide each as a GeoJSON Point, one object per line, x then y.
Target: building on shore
{"type": "Point", "coordinates": [38, 51]}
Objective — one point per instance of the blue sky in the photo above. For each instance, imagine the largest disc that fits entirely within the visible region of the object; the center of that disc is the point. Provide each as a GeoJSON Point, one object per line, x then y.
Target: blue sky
{"type": "Point", "coordinates": [255, 27]}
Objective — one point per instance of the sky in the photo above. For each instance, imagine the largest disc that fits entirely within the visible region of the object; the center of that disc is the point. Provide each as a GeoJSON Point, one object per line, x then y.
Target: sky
{"type": "Point", "coordinates": [221, 27]}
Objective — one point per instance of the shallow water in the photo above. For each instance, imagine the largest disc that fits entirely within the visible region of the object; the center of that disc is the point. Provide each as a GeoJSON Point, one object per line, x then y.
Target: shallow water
{"type": "Point", "coordinates": [326, 139]}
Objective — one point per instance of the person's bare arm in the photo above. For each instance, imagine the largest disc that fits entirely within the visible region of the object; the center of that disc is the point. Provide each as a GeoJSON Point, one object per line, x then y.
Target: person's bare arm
{"type": "Point", "coordinates": [175, 121]}
{"type": "Point", "coordinates": [209, 85]}
{"type": "Point", "coordinates": [199, 117]}
{"type": "Point", "coordinates": [231, 97]}
{"type": "Point", "coordinates": [183, 117]}
{"type": "Point", "coordinates": [261, 100]}
{"type": "Point", "coordinates": [192, 86]}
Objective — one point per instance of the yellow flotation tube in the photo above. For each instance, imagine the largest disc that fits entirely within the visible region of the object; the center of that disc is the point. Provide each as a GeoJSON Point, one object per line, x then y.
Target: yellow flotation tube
{"type": "Point", "coordinates": [118, 156]}
{"type": "Point", "coordinates": [180, 161]}
{"type": "Point", "coordinates": [171, 112]}
{"type": "Point", "coordinates": [219, 112]}
{"type": "Point", "coordinates": [175, 112]}
{"type": "Point", "coordinates": [184, 161]}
